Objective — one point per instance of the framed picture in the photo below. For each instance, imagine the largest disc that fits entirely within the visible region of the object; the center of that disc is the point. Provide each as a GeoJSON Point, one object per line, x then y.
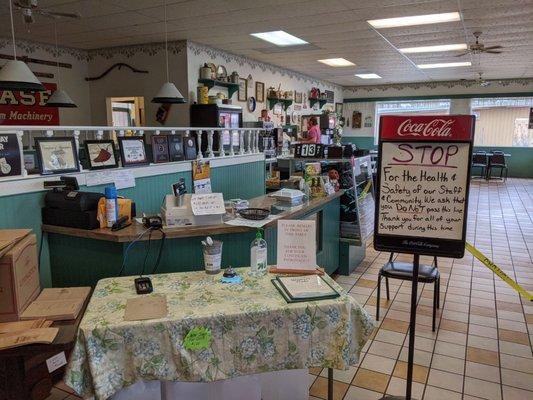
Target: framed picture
{"type": "Point", "coordinates": [101, 154]}
{"type": "Point", "coordinates": [56, 155]}
{"type": "Point", "coordinates": [356, 120]}
{"type": "Point", "coordinates": [160, 150]}
{"type": "Point", "coordinates": [278, 109]}
{"type": "Point", "coordinates": [339, 107]}
{"type": "Point", "coordinates": [189, 148]}
{"type": "Point", "coordinates": [330, 96]}
{"type": "Point", "coordinates": [298, 96]}
{"type": "Point", "coordinates": [11, 159]}
{"type": "Point", "coordinates": [243, 89]}
{"type": "Point", "coordinates": [31, 164]}
{"type": "Point", "coordinates": [175, 147]}
{"type": "Point", "coordinates": [259, 92]}
{"type": "Point", "coordinates": [132, 151]}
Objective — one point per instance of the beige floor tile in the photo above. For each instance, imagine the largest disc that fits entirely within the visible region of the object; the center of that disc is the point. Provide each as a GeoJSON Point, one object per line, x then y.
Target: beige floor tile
{"type": "Point", "coordinates": [482, 343]}
{"type": "Point", "coordinates": [515, 349]}
{"type": "Point", "coordinates": [451, 337]}
{"type": "Point", "coordinates": [341, 375]}
{"type": "Point", "coordinates": [445, 380]}
{"type": "Point", "coordinates": [449, 364]}
{"type": "Point", "coordinates": [421, 357]}
{"type": "Point", "coordinates": [511, 393]}
{"type": "Point", "coordinates": [513, 336]}
{"type": "Point", "coordinates": [450, 349]}
{"type": "Point", "coordinates": [484, 331]}
{"type": "Point", "coordinates": [371, 380]}
{"type": "Point", "coordinates": [436, 393]}
{"type": "Point", "coordinates": [358, 393]}
{"type": "Point", "coordinates": [482, 371]}
{"type": "Point", "coordinates": [384, 335]}
{"type": "Point", "coordinates": [517, 363]}
{"type": "Point", "coordinates": [517, 379]}
{"type": "Point", "coordinates": [453, 326]}
{"type": "Point", "coordinates": [383, 349]}
{"type": "Point", "coordinates": [482, 389]}
{"type": "Point", "coordinates": [397, 387]}
{"type": "Point", "coordinates": [379, 364]}
{"type": "Point", "coordinates": [395, 325]}
{"type": "Point", "coordinates": [482, 356]}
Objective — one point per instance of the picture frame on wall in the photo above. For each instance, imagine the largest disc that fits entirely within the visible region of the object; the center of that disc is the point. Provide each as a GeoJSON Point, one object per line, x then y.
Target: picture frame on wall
{"type": "Point", "coordinates": [260, 92]}
{"type": "Point", "coordinates": [132, 151]}
{"type": "Point", "coordinates": [175, 147]}
{"type": "Point", "coordinates": [243, 89]}
{"type": "Point", "coordinates": [160, 151]}
{"type": "Point", "coordinates": [101, 154]}
{"type": "Point", "coordinates": [56, 155]}
{"type": "Point", "coordinates": [298, 97]}
{"type": "Point", "coordinates": [11, 158]}
{"type": "Point", "coordinates": [339, 107]}
{"type": "Point", "coordinates": [356, 120]}
{"type": "Point", "coordinates": [277, 109]}
{"type": "Point", "coordinates": [189, 148]}
{"type": "Point", "coordinates": [330, 96]}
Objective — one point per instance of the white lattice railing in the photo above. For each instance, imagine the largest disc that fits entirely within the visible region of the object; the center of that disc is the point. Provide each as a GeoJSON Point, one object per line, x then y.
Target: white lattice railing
{"type": "Point", "coordinates": [241, 140]}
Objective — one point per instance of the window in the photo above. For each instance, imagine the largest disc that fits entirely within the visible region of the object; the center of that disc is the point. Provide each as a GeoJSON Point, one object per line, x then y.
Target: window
{"type": "Point", "coordinates": [410, 107]}
{"type": "Point", "coordinates": [503, 121]}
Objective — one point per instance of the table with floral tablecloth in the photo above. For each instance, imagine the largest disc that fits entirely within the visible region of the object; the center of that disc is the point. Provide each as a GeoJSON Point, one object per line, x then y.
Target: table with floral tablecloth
{"type": "Point", "coordinates": [252, 329]}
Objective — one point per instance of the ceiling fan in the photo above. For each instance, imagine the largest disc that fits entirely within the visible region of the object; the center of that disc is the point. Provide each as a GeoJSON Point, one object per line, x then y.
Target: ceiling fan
{"type": "Point", "coordinates": [29, 8]}
{"type": "Point", "coordinates": [478, 48]}
{"type": "Point", "coordinates": [482, 82]}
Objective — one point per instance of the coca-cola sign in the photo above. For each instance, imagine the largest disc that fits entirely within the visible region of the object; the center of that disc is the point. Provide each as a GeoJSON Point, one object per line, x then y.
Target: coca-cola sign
{"type": "Point", "coordinates": [441, 128]}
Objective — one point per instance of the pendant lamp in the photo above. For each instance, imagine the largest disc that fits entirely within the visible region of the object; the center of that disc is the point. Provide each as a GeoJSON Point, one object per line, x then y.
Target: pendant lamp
{"type": "Point", "coordinates": [59, 98]}
{"type": "Point", "coordinates": [15, 74]}
{"type": "Point", "coordinates": [168, 93]}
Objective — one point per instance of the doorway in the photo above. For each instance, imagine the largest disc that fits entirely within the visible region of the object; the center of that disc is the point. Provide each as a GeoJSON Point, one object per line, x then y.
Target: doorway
{"type": "Point", "coordinates": [125, 111]}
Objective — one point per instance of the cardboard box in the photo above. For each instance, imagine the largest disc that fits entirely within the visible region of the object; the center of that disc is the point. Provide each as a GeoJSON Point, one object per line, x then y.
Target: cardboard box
{"type": "Point", "coordinates": [19, 278]}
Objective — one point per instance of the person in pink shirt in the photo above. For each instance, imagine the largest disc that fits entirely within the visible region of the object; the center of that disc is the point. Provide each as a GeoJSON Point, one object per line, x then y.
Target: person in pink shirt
{"type": "Point", "coordinates": [313, 131]}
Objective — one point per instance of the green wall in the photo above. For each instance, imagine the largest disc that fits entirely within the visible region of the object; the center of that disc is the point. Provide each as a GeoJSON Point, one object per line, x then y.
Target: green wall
{"type": "Point", "coordinates": [520, 163]}
{"type": "Point", "coordinates": [245, 180]}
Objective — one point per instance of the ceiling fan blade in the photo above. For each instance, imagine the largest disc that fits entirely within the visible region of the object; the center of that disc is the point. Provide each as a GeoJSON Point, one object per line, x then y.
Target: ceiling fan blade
{"type": "Point", "coordinates": [493, 52]}
{"type": "Point", "coordinates": [52, 14]}
{"type": "Point", "coordinates": [462, 54]}
{"type": "Point", "coordinates": [493, 47]}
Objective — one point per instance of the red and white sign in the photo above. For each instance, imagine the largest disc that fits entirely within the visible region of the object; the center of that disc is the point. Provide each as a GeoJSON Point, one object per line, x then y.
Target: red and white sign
{"type": "Point", "coordinates": [428, 128]}
{"type": "Point", "coordinates": [28, 108]}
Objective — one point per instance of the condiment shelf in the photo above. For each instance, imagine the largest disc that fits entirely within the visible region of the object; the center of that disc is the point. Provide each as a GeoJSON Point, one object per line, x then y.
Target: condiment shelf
{"type": "Point", "coordinates": [210, 83]}
{"type": "Point", "coordinates": [272, 101]}
{"type": "Point", "coordinates": [320, 102]}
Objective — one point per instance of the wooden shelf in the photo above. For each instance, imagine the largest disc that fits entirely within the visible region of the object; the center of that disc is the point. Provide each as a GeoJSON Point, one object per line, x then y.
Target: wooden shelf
{"type": "Point", "coordinates": [232, 87]}
{"type": "Point", "coordinates": [320, 102]}
{"type": "Point", "coordinates": [274, 100]}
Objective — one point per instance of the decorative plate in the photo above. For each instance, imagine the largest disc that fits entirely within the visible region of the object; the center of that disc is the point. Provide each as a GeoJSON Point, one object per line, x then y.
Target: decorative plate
{"type": "Point", "coordinates": [251, 103]}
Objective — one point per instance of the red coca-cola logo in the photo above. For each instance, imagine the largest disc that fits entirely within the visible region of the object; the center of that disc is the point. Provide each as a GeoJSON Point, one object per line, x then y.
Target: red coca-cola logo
{"type": "Point", "coordinates": [435, 128]}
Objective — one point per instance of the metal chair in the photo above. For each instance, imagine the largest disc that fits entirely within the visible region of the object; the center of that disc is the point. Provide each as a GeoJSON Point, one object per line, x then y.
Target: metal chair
{"type": "Point", "coordinates": [480, 160]}
{"type": "Point", "coordinates": [497, 161]}
{"type": "Point", "coordinates": [404, 271]}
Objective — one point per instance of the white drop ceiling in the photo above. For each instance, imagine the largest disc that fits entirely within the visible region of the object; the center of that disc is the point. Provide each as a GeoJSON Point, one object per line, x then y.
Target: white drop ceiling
{"type": "Point", "coordinates": [334, 28]}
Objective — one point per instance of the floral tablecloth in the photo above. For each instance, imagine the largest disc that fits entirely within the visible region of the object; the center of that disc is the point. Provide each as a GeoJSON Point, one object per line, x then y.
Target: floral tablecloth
{"type": "Point", "coordinates": [253, 330]}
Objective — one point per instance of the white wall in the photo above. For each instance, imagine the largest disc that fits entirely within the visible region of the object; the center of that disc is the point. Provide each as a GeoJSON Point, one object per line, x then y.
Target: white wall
{"type": "Point", "coordinates": [268, 74]}
{"type": "Point", "coordinates": [124, 83]}
{"type": "Point", "coordinates": [72, 80]}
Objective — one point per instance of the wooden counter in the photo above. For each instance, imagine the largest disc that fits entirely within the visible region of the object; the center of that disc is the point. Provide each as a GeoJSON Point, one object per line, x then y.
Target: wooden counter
{"type": "Point", "coordinates": [133, 231]}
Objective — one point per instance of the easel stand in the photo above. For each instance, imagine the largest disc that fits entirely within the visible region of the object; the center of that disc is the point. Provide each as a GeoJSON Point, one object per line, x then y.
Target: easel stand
{"type": "Point", "coordinates": [412, 325]}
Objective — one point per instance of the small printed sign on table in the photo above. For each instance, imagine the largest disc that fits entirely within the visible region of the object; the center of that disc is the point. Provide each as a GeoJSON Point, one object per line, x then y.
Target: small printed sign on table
{"type": "Point", "coordinates": [296, 248]}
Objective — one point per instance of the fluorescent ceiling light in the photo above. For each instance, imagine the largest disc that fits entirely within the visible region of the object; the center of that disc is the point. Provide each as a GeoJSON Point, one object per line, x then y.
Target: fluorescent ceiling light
{"type": "Point", "coordinates": [431, 49]}
{"type": "Point", "coordinates": [415, 20]}
{"type": "Point", "coordinates": [445, 65]}
{"type": "Point", "coordinates": [337, 62]}
{"type": "Point", "coordinates": [368, 76]}
{"type": "Point", "coordinates": [279, 38]}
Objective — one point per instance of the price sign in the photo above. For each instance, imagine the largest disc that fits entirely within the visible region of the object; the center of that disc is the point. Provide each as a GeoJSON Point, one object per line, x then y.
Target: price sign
{"type": "Point", "coordinates": [423, 183]}
{"type": "Point", "coordinates": [207, 204]}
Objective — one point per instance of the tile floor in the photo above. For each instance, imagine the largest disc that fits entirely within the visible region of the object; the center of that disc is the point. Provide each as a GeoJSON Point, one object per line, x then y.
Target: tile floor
{"type": "Point", "coordinates": [482, 348]}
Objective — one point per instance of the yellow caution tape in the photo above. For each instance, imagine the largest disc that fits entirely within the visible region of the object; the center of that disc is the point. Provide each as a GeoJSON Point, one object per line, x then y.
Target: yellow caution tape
{"type": "Point", "coordinates": [364, 192]}
{"type": "Point", "coordinates": [494, 268]}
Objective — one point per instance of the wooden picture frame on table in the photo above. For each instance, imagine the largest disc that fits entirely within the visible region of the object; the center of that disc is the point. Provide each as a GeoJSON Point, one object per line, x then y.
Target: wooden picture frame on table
{"type": "Point", "coordinates": [57, 155]}
{"type": "Point", "coordinates": [101, 154]}
{"type": "Point", "coordinates": [132, 151]}
{"type": "Point", "coordinates": [260, 92]}
{"type": "Point", "coordinates": [243, 89]}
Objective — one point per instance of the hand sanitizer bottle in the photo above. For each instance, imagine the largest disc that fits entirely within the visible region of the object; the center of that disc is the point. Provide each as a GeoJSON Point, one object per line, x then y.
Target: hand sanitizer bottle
{"type": "Point", "coordinates": [258, 255]}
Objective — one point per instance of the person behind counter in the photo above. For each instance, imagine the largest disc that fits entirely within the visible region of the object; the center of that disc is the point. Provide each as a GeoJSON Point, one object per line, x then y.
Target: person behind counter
{"type": "Point", "coordinates": [313, 131]}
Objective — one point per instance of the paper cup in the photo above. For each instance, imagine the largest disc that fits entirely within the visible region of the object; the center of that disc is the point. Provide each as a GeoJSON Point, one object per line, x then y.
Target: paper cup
{"type": "Point", "coordinates": [213, 257]}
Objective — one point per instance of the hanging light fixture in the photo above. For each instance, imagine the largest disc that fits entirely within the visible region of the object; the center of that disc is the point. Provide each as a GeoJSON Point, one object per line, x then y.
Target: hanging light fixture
{"type": "Point", "coordinates": [59, 98]}
{"type": "Point", "coordinates": [168, 93]}
{"type": "Point", "coordinates": [15, 74]}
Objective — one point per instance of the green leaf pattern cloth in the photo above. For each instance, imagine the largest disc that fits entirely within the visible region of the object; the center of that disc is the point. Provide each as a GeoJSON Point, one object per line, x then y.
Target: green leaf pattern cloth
{"type": "Point", "coordinates": [252, 330]}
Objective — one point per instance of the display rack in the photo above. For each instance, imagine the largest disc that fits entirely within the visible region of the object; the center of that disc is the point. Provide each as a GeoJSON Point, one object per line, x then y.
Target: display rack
{"type": "Point", "coordinates": [232, 87]}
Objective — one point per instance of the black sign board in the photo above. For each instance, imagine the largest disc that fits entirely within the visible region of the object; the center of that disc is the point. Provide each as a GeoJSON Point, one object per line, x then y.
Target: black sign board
{"type": "Point", "coordinates": [10, 155]}
{"type": "Point", "coordinates": [423, 183]}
